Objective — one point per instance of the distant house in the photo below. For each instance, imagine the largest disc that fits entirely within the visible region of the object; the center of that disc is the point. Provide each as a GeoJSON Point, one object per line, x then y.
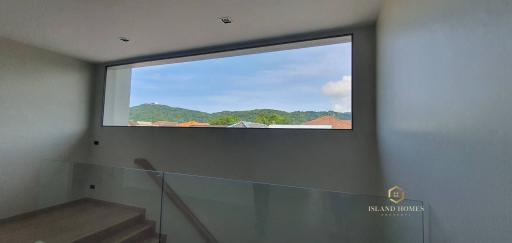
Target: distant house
{"type": "Point", "coordinates": [140, 123]}
{"type": "Point", "coordinates": [165, 124]}
{"type": "Point", "coordinates": [245, 124]}
{"type": "Point", "coordinates": [332, 121]}
{"type": "Point", "coordinates": [301, 126]}
{"type": "Point", "coordinates": [193, 124]}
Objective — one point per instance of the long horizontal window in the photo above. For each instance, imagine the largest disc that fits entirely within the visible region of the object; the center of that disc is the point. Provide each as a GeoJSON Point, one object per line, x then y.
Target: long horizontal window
{"type": "Point", "coordinates": [301, 85]}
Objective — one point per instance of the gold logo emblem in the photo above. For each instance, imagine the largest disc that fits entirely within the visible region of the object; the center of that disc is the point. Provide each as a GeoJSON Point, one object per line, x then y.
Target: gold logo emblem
{"type": "Point", "coordinates": [396, 194]}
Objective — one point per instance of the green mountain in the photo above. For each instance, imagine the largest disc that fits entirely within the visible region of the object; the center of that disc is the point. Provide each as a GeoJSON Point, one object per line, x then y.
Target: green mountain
{"type": "Point", "coordinates": [155, 112]}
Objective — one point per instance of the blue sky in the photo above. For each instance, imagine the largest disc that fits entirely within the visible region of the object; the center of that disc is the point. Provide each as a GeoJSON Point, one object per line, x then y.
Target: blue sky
{"type": "Point", "coordinates": [307, 79]}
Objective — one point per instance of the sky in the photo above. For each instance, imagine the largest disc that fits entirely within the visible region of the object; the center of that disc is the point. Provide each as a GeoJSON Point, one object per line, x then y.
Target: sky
{"type": "Point", "coordinates": [308, 79]}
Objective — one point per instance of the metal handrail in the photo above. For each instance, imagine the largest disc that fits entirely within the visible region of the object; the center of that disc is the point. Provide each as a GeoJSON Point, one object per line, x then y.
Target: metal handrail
{"type": "Point", "coordinates": [177, 201]}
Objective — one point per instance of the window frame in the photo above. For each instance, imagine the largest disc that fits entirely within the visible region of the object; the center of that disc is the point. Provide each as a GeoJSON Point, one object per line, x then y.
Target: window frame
{"type": "Point", "coordinates": [236, 49]}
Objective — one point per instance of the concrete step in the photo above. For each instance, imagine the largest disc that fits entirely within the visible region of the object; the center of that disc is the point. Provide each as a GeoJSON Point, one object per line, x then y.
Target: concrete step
{"type": "Point", "coordinates": [151, 240]}
{"type": "Point", "coordinates": [132, 234]}
{"type": "Point", "coordinates": [81, 221]}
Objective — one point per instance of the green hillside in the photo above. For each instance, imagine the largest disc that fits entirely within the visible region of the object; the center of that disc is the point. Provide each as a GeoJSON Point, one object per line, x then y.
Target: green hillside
{"type": "Point", "coordinates": [155, 112]}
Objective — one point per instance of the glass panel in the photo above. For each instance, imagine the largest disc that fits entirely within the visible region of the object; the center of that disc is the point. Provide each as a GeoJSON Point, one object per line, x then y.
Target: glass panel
{"type": "Point", "coordinates": [65, 202]}
{"type": "Point", "coordinates": [237, 211]}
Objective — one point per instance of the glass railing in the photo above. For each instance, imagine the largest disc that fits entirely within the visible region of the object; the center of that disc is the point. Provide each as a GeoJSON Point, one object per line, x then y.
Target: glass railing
{"type": "Point", "coordinates": [79, 202]}
{"type": "Point", "coordinates": [241, 211]}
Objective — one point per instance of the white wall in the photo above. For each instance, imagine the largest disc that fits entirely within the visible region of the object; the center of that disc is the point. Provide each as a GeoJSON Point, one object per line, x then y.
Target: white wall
{"type": "Point", "coordinates": [336, 160]}
{"type": "Point", "coordinates": [44, 115]}
{"type": "Point", "coordinates": [327, 159]}
{"type": "Point", "coordinates": [444, 116]}
{"type": "Point", "coordinates": [117, 98]}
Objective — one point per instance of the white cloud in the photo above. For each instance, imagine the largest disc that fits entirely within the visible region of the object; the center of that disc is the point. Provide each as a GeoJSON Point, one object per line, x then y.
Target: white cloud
{"type": "Point", "coordinates": [338, 89]}
{"type": "Point", "coordinates": [340, 93]}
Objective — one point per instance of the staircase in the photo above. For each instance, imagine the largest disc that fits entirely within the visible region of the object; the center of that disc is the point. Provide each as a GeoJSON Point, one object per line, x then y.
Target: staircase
{"type": "Point", "coordinates": [82, 221]}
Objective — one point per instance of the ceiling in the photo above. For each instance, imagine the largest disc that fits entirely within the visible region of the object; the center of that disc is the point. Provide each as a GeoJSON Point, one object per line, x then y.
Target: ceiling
{"type": "Point", "coordinates": [90, 29]}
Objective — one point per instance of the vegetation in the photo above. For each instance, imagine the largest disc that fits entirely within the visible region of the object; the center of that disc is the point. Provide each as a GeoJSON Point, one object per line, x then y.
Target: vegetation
{"type": "Point", "coordinates": [155, 112]}
{"type": "Point", "coordinates": [270, 118]}
{"type": "Point", "coordinates": [224, 120]}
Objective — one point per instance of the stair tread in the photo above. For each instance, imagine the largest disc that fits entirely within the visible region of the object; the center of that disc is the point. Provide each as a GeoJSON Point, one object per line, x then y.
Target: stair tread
{"type": "Point", "coordinates": [130, 232]}
{"type": "Point", "coordinates": [150, 240]}
{"type": "Point", "coordinates": [66, 222]}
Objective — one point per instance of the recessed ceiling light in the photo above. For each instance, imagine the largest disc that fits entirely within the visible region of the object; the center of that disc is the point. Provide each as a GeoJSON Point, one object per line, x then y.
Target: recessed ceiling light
{"type": "Point", "coordinates": [124, 39]}
{"type": "Point", "coordinates": [226, 20]}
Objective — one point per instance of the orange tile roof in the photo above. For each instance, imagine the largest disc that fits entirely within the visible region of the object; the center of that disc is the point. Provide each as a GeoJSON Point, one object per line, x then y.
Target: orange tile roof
{"type": "Point", "coordinates": [193, 124]}
{"type": "Point", "coordinates": [331, 120]}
